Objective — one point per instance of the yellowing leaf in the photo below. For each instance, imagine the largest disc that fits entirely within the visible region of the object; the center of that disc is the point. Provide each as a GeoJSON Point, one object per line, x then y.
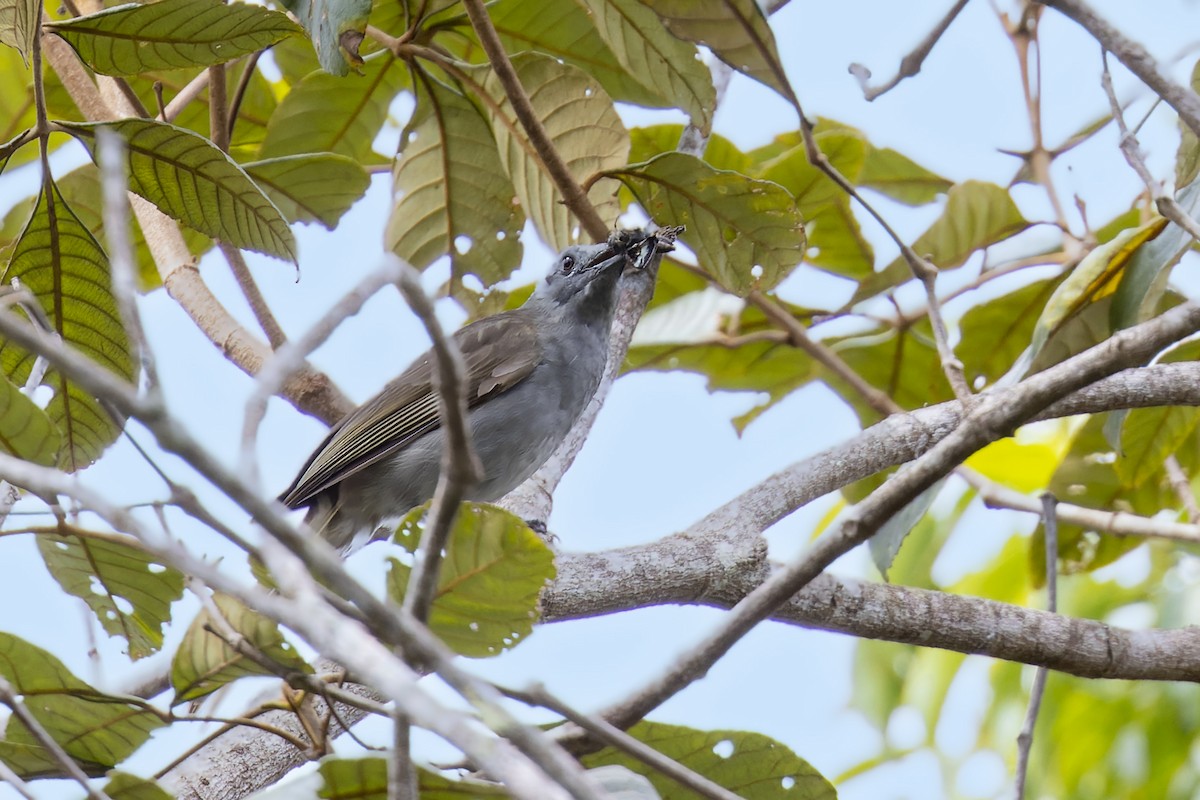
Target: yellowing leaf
{"type": "Point", "coordinates": [1025, 467]}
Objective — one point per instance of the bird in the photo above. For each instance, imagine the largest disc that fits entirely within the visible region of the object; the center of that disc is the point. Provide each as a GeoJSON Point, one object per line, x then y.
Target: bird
{"type": "Point", "coordinates": [531, 371]}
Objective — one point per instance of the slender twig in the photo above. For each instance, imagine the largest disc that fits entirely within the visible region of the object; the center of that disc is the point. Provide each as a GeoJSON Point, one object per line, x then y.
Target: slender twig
{"type": "Point", "coordinates": [539, 695]}
{"type": "Point", "coordinates": [14, 780]}
{"type": "Point", "coordinates": [110, 149]}
{"type": "Point", "coordinates": [1166, 205]}
{"type": "Point", "coordinates": [1025, 737]}
{"type": "Point", "coordinates": [402, 773]}
{"type": "Point", "coordinates": [254, 296]}
{"type": "Point", "coordinates": [239, 93]}
{"type": "Point", "coordinates": [1135, 57]}
{"type": "Point", "coordinates": [1182, 487]}
{"type": "Point", "coordinates": [218, 107]}
{"type": "Point", "coordinates": [8, 696]}
{"type": "Point", "coordinates": [193, 89]}
{"type": "Point", "coordinates": [1120, 523]}
{"type": "Point", "coordinates": [460, 464]}
{"type": "Point", "coordinates": [573, 195]}
{"type": "Point", "coordinates": [910, 65]}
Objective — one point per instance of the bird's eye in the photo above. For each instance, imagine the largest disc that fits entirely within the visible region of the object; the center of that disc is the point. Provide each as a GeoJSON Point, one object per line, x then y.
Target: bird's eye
{"type": "Point", "coordinates": [568, 265]}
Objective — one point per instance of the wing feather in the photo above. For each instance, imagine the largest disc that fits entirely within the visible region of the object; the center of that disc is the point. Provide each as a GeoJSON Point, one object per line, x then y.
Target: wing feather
{"type": "Point", "coordinates": [499, 352]}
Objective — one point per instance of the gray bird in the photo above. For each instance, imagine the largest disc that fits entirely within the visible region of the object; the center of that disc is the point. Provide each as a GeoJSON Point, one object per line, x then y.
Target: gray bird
{"type": "Point", "coordinates": [530, 373]}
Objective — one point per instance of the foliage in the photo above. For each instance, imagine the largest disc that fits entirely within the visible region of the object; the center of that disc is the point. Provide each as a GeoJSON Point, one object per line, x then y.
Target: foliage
{"type": "Point", "coordinates": [265, 143]}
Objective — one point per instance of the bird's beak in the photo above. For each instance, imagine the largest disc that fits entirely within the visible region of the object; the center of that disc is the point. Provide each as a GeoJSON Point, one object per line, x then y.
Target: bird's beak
{"type": "Point", "coordinates": [609, 257]}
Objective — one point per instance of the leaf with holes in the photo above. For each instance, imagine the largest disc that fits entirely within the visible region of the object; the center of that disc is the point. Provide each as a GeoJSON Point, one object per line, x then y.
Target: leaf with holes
{"type": "Point", "coordinates": [746, 233]}
{"type": "Point", "coordinates": [735, 30]}
{"type": "Point", "coordinates": [579, 118]}
{"type": "Point", "coordinates": [316, 187]}
{"type": "Point", "coordinates": [58, 261]}
{"type": "Point", "coordinates": [489, 583]}
{"type": "Point", "coordinates": [97, 730]}
{"type": "Point", "coordinates": [976, 215]}
{"type": "Point", "coordinates": [452, 196]}
{"type": "Point", "coordinates": [18, 24]}
{"type": "Point", "coordinates": [191, 180]}
{"type": "Point", "coordinates": [748, 764]}
{"type": "Point", "coordinates": [26, 431]}
{"type": "Point", "coordinates": [125, 587]}
{"type": "Point", "coordinates": [171, 34]}
{"type": "Point", "coordinates": [204, 662]}
{"type": "Point", "coordinates": [645, 48]}
{"type": "Point", "coordinates": [327, 114]}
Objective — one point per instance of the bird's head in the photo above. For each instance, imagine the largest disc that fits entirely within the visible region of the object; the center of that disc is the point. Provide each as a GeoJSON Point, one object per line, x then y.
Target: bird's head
{"type": "Point", "coordinates": [583, 273]}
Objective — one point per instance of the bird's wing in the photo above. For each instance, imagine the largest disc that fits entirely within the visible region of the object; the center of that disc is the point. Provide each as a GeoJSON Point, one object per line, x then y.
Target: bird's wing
{"type": "Point", "coordinates": [499, 352]}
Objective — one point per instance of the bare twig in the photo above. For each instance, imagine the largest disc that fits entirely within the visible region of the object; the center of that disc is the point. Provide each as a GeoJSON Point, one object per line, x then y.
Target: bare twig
{"type": "Point", "coordinates": [218, 107]}
{"type": "Point", "coordinates": [239, 93]}
{"type": "Point", "coordinates": [402, 773]}
{"type": "Point", "coordinates": [193, 89]}
{"type": "Point", "coordinates": [910, 65]}
{"type": "Point", "coordinates": [460, 465]}
{"type": "Point", "coordinates": [1025, 737]}
{"type": "Point", "coordinates": [1166, 205]}
{"type": "Point", "coordinates": [1182, 487]}
{"type": "Point", "coordinates": [8, 696]}
{"type": "Point", "coordinates": [110, 148]}
{"type": "Point", "coordinates": [254, 296]}
{"type": "Point", "coordinates": [14, 780]}
{"type": "Point", "coordinates": [1121, 523]}
{"type": "Point", "coordinates": [1135, 57]}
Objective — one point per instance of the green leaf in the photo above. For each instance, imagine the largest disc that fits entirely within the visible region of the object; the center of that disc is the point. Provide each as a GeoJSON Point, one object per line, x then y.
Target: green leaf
{"type": "Point", "coordinates": [1095, 278]}
{"type": "Point", "coordinates": [326, 114]}
{"type": "Point", "coordinates": [563, 29]}
{"type": "Point", "coordinates": [317, 187]}
{"type": "Point", "coordinates": [735, 30]}
{"type": "Point", "coordinates": [204, 662]}
{"type": "Point", "coordinates": [900, 178]}
{"type": "Point", "coordinates": [736, 226]}
{"type": "Point", "coordinates": [1144, 278]}
{"type": "Point", "coordinates": [127, 589]}
{"type": "Point", "coordinates": [191, 180]}
{"type": "Point", "coordinates": [902, 363]}
{"type": "Point", "coordinates": [123, 786]}
{"type": "Point", "coordinates": [996, 333]}
{"type": "Point", "coordinates": [171, 34]}
{"type": "Point", "coordinates": [583, 126]}
{"type": "Point", "coordinates": [748, 764]}
{"type": "Point", "coordinates": [97, 730]}
{"type": "Point", "coordinates": [25, 430]}
{"type": "Point", "coordinates": [976, 215]}
{"type": "Point", "coordinates": [885, 544]}
{"type": "Point", "coordinates": [366, 779]}
{"type": "Point", "coordinates": [835, 241]}
{"type": "Point", "coordinates": [1149, 436]}
{"type": "Point", "coordinates": [488, 587]}
{"type": "Point", "coordinates": [58, 261]}
{"type": "Point", "coordinates": [1187, 158]}
{"type": "Point", "coordinates": [336, 28]}
{"type": "Point", "coordinates": [18, 25]}
{"type": "Point", "coordinates": [452, 196]}
{"type": "Point", "coordinates": [646, 50]}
